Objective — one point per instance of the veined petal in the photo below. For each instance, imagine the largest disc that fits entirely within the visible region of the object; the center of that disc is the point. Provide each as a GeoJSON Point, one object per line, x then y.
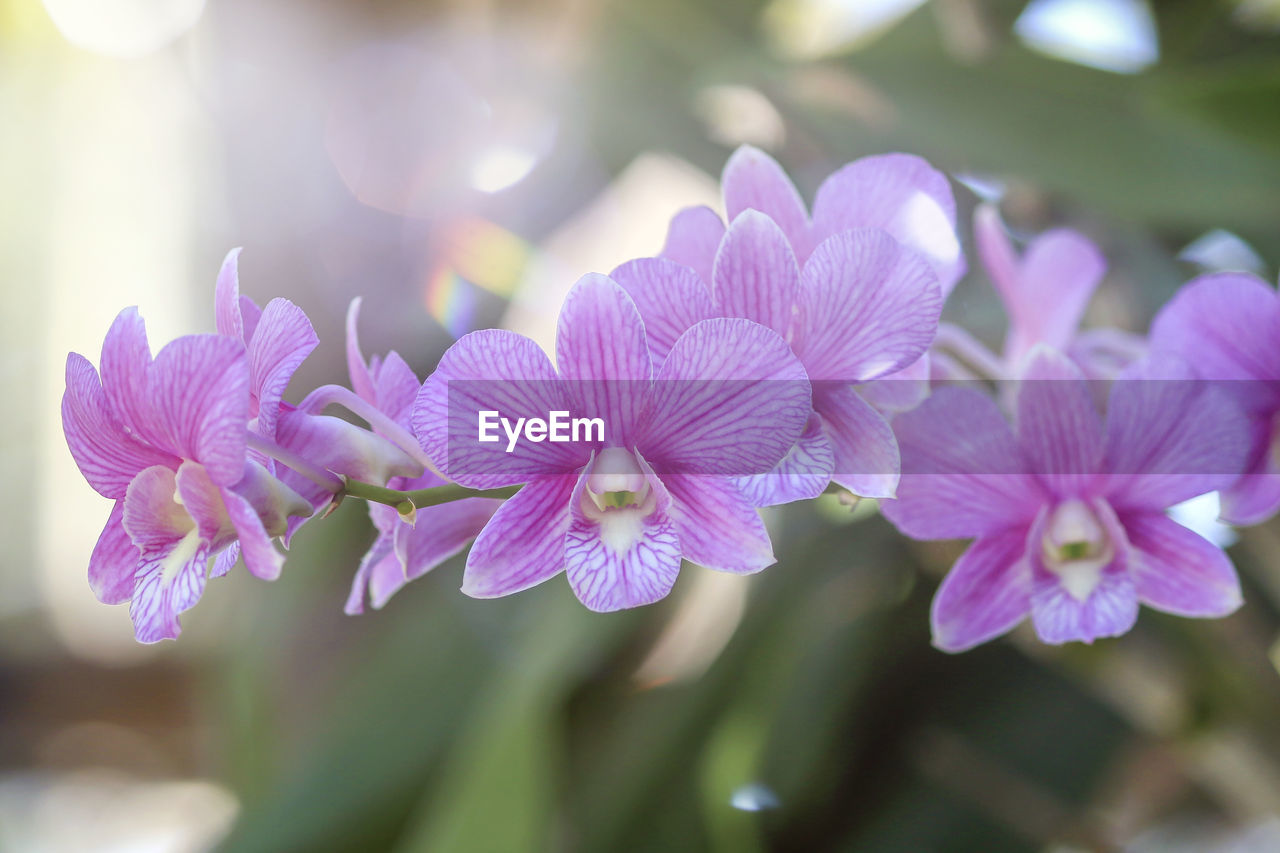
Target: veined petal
{"type": "Point", "coordinates": [901, 194]}
{"type": "Point", "coordinates": [692, 240]}
{"type": "Point", "coordinates": [198, 388]}
{"type": "Point", "coordinates": [1171, 437]}
{"type": "Point", "coordinates": [670, 296]}
{"type": "Point", "coordinates": [802, 475]}
{"type": "Point", "coordinates": [752, 180]}
{"type": "Point", "coordinates": [500, 371]}
{"type": "Point", "coordinates": [272, 500]}
{"type": "Point", "coordinates": [114, 561]}
{"type": "Point", "coordinates": [602, 351]}
{"type": "Point", "coordinates": [867, 307]}
{"type": "Point", "coordinates": [755, 274]}
{"type": "Point", "coordinates": [107, 456]}
{"type": "Point", "coordinates": [260, 557]}
{"type": "Point", "coordinates": [717, 527]}
{"type": "Point", "coordinates": [381, 560]}
{"type": "Point", "coordinates": [126, 357]}
{"type": "Point", "coordinates": [396, 386]}
{"type": "Point", "coordinates": [523, 545]}
{"type": "Point", "coordinates": [282, 341]}
{"type": "Point", "coordinates": [174, 540]}
{"type": "Point", "coordinates": [439, 533]}
{"type": "Point", "coordinates": [1058, 425]}
{"type": "Point", "coordinates": [1109, 610]}
{"type": "Point", "coordinates": [986, 593]}
{"type": "Point", "coordinates": [1177, 570]}
{"type": "Point", "coordinates": [226, 299]}
{"type": "Point", "coordinates": [225, 561]}
{"type": "Point", "coordinates": [865, 452]}
{"type": "Point", "coordinates": [962, 472]}
{"type": "Point", "coordinates": [628, 557]}
{"type": "Point", "coordinates": [731, 399]}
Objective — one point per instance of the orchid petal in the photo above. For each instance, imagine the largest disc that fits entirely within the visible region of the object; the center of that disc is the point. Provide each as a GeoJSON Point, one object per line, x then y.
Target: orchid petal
{"type": "Point", "coordinates": [866, 308]}
{"type": "Point", "coordinates": [986, 593]}
{"type": "Point", "coordinates": [802, 475]}
{"type": "Point", "coordinates": [198, 388]}
{"type": "Point", "coordinates": [602, 351]}
{"type": "Point", "coordinates": [755, 275]}
{"type": "Point", "coordinates": [1179, 571]}
{"type": "Point", "coordinates": [226, 299]}
{"type": "Point", "coordinates": [866, 460]}
{"type": "Point", "coordinates": [114, 561]}
{"type": "Point", "coordinates": [693, 237]}
{"type": "Point", "coordinates": [380, 559]}
{"type": "Point", "coordinates": [523, 545]}
{"type": "Point", "coordinates": [902, 390]}
{"type": "Point", "coordinates": [282, 341]}
{"type": "Point", "coordinates": [500, 371]}
{"type": "Point", "coordinates": [225, 561]}
{"type": "Point", "coordinates": [357, 368]}
{"type": "Point", "coordinates": [962, 472]}
{"type": "Point", "coordinates": [1057, 423]}
{"type": "Point", "coordinates": [752, 180]}
{"type": "Point", "coordinates": [260, 557]}
{"type": "Point", "coordinates": [670, 297]}
{"type": "Point", "coordinates": [730, 399]}
{"type": "Point", "coordinates": [1056, 279]}
{"type": "Point", "coordinates": [903, 195]}
{"type": "Point", "coordinates": [717, 527]}
{"type": "Point", "coordinates": [126, 357]}
{"type": "Point", "coordinates": [107, 456]}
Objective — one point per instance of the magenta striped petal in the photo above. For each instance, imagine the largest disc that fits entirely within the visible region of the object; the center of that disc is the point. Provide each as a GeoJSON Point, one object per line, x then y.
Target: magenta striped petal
{"type": "Point", "coordinates": [282, 341]}
{"type": "Point", "coordinates": [670, 296]}
{"type": "Point", "coordinates": [1057, 424]}
{"type": "Point", "coordinates": [718, 528]}
{"type": "Point", "coordinates": [498, 371]}
{"type": "Point", "coordinates": [902, 390]}
{"type": "Point", "coordinates": [962, 472]}
{"type": "Point", "coordinates": [752, 180]}
{"type": "Point", "coordinates": [126, 357]}
{"type": "Point", "coordinates": [901, 194]}
{"type": "Point", "coordinates": [601, 350]}
{"type": "Point", "coordinates": [692, 240]}
{"type": "Point", "coordinates": [1178, 571]}
{"type": "Point", "coordinates": [396, 387]}
{"type": "Point", "coordinates": [1109, 610]}
{"type": "Point", "coordinates": [1057, 277]}
{"type": "Point", "coordinates": [225, 561]}
{"type": "Point", "coordinates": [114, 561]}
{"type": "Point", "coordinates": [107, 456]}
{"type": "Point", "coordinates": [523, 545]}
{"type": "Point", "coordinates": [625, 558]}
{"type": "Point", "coordinates": [439, 533]}
{"type": "Point", "coordinates": [755, 275]}
{"type": "Point", "coordinates": [865, 452]}
{"type": "Point", "coordinates": [802, 475]}
{"type": "Point", "coordinates": [198, 388]}
{"type": "Point", "coordinates": [866, 308]}
{"type": "Point", "coordinates": [986, 593]}
{"type": "Point", "coordinates": [730, 399]}
{"type": "Point", "coordinates": [260, 556]}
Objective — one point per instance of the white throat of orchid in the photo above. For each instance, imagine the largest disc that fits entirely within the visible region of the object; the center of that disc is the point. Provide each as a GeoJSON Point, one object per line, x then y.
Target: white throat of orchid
{"type": "Point", "coordinates": [618, 498]}
{"type": "Point", "coordinates": [1076, 547]}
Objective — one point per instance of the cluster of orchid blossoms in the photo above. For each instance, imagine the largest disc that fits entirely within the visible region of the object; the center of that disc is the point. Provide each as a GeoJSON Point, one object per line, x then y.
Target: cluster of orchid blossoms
{"type": "Point", "coordinates": [759, 361]}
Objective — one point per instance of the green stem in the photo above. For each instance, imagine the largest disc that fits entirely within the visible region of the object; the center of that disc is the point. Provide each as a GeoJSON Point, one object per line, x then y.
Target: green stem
{"type": "Point", "coordinates": [422, 497]}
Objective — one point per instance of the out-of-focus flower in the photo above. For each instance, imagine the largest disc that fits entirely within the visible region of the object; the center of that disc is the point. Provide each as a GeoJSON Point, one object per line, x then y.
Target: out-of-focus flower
{"type": "Point", "coordinates": [617, 514]}
{"type": "Point", "coordinates": [1045, 292]}
{"type": "Point", "coordinates": [404, 551]}
{"type": "Point", "coordinates": [1068, 513]}
{"type": "Point", "coordinates": [898, 193]}
{"type": "Point", "coordinates": [166, 439]}
{"type": "Point", "coordinates": [1226, 326]}
{"type": "Point", "coordinates": [862, 308]}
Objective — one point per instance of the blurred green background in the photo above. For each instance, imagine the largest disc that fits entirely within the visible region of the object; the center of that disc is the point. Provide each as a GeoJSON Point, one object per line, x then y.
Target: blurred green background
{"type": "Point", "coordinates": [460, 164]}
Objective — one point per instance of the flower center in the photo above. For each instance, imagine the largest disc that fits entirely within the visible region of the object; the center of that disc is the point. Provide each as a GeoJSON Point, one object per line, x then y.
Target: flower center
{"type": "Point", "coordinates": [1076, 547]}
{"type": "Point", "coordinates": [616, 481]}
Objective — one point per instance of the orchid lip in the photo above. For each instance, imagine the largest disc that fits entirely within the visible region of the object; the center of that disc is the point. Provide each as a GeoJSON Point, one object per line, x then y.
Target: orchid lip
{"type": "Point", "coordinates": [1076, 547]}
{"type": "Point", "coordinates": [616, 482]}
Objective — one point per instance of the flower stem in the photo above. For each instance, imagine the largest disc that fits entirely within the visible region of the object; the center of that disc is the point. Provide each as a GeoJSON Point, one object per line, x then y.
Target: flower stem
{"type": "Point", "coordinates": [422, 497]}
